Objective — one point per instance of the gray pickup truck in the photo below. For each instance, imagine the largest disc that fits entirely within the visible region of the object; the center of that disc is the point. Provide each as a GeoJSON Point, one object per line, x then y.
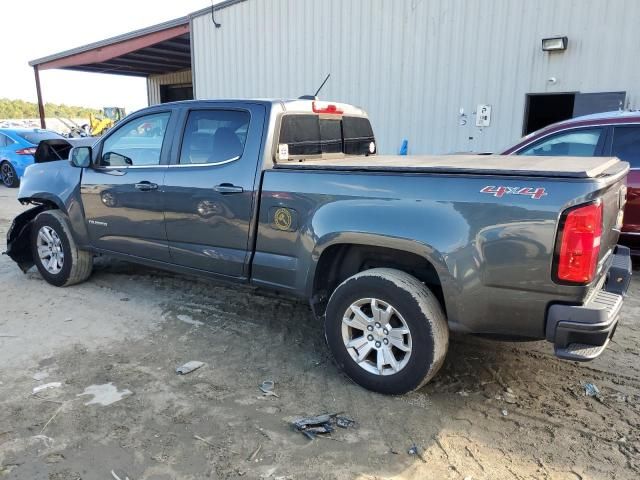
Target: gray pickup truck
{"type": "Point", "coordinates": [393, 253]}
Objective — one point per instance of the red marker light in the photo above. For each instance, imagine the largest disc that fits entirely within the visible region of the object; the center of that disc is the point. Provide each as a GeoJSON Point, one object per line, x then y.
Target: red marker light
{"type": "Point", "coordinates": [327, 109]}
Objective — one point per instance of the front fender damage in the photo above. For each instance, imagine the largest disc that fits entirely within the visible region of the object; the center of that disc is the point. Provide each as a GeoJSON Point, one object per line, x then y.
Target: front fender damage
{"type": "Point", "coordinates": [18, 238]}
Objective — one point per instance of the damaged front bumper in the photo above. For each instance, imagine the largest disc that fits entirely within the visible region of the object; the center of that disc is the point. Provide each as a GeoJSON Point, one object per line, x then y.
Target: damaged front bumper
{"type": "Point", "coordinates": [19, 238]}
{"type": "Point", "coordinates": [582, 332]}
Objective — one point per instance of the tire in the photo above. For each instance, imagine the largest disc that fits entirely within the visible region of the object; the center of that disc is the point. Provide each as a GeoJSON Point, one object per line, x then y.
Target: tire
{"type": "Point", "coordinates": [50, 230]}
{"type": "Point", "coordinates": [413, 309]}
{"type": "Point", "coordinates": [9, 176]}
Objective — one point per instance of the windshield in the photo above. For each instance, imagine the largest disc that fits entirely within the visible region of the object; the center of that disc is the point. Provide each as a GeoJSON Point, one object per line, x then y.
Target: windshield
{"type": "Point", "coordinates": [38, 136]}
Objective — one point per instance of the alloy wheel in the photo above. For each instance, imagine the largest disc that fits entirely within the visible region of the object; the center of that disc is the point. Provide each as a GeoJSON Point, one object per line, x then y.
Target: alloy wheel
{"type": "Point", "coordinates": [376, 336]}
{"type": "Point", "coordinates": [50, 250]}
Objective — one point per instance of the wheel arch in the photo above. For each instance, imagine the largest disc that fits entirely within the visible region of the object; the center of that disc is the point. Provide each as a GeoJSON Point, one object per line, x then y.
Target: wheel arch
{"type": "Point", "coordinates": [72, 208]}
{"type": "Point", "coordinates": [340, 259]}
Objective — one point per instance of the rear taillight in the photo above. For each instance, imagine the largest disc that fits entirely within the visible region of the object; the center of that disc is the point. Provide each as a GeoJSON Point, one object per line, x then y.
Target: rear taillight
{"type": "Point", "coordinates": [26, 151]}
{"type": "Point", "coordinates": [579, 247]}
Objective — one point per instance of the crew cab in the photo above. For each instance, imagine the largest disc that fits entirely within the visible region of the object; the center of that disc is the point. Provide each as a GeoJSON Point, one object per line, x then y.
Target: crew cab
{"type": "Point", "coordinates": [392, 252]}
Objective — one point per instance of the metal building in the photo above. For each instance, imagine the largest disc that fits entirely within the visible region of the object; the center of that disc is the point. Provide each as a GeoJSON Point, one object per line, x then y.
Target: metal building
{"type": "Point", "coordinates": [447, 75]}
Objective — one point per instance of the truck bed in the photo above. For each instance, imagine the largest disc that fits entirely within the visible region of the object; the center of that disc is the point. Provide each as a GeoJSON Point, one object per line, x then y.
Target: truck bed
{"type": "Point", "coordinates": [525, 166]}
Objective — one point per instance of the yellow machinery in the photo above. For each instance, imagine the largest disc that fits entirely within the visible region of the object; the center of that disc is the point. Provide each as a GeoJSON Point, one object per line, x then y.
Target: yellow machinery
{"type": "Point", "coordinates": [111, 115]}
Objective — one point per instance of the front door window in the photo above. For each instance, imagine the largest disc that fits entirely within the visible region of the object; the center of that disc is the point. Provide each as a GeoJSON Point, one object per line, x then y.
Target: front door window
{"type": "Point", "coordinates": [137, 143]}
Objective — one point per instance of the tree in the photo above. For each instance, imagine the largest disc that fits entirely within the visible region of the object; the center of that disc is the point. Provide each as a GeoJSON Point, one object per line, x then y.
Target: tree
{"type": "Point", "coordinates": [18, 109]}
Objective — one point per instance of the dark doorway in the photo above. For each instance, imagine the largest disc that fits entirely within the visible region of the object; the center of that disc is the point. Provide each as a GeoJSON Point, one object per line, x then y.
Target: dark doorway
{"type": "Point", "coordinates": [542, 110]}
{"type": "Point", "coordinates": [175, 93]}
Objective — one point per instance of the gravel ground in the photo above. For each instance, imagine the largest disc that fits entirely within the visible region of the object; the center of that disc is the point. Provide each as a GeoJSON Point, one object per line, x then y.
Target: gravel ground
{"type": "Point", "coordinates": [496, 410]}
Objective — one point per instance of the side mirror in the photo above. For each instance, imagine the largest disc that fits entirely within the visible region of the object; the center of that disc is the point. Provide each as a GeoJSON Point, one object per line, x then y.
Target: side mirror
{"type": "Point", "coordinates": [80, 157]}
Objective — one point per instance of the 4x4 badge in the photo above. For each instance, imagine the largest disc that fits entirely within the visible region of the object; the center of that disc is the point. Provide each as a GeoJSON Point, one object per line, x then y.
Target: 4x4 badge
{"type": "Point", "coordinates": [534, 192]}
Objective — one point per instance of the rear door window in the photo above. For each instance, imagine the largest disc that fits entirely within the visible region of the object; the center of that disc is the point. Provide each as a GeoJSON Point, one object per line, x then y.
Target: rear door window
{"type": "Point", "coordinates": [626, 144]}
{"type": "Point", "coordinates": [316, 135]}
{"type": "Point", "coordinates": [214, 136]}
{"type": "Point", "coordinates": [573, 143]}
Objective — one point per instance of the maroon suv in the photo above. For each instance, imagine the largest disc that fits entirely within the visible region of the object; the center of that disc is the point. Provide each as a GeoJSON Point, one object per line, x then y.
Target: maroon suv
{"type": "Point", "coordinates": [601, 135]}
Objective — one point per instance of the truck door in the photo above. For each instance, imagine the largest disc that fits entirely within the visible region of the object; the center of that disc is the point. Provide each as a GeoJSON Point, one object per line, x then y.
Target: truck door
{"type": "Point", "coordinates": [122, 193]}
{"type": "Point", "coordinates": [209, 188]}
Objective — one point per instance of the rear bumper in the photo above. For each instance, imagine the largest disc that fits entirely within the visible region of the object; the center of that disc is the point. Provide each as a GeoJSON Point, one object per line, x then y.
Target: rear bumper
{"type": "Point", "coordinates": [582, 332]}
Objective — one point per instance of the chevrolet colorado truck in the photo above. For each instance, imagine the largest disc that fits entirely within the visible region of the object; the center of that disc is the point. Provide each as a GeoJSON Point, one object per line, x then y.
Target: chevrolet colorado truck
{"type": "Point", "coordinates": [392, 253]}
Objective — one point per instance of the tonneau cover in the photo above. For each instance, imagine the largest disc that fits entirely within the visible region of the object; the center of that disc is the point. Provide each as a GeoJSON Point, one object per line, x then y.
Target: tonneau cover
{"type": "Point", "coordinates": [510, 165]}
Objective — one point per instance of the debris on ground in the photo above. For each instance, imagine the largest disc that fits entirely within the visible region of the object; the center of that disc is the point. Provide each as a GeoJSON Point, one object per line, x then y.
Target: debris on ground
{"type": "Point", "coordinates": [509, 398]}
{"type": "Point", "coordinates": [51, 419]}
{"type": "Point", "coordinates": [414, 450]}
{"type": "Point", "coordinates": [266, 388]}
{"type": "Point", "coordinates": [203, 440]}
{"type": "Point", "coordinates": [504, 412]}
{"type": "Point", "coordinates": [46, 386]}
{"type": "Point", "coordinates": [189, 367]}
{"type": "Point", "coordinates": [343, 421]}
{"type": "Point", "coordinates": [105, 394]}
{"type": "Point", "coordinates": [254, 455]}
{"type": "Point", "coordinates": [590, 390]}
{"type": "Point", "coordinates": [311, 427]}
{"type": "Point", "coordinates": [121, 476]}
{"type": "Point", "coordinates": [498, 378]}
{"type": "Point", "coordinates": [189, 320]}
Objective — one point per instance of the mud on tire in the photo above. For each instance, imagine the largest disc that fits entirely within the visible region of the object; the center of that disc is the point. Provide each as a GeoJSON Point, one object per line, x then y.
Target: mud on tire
{"type": "Point", "coordinates": [371, 311]}
{"type": "Point", "coordinates": [51, 235]}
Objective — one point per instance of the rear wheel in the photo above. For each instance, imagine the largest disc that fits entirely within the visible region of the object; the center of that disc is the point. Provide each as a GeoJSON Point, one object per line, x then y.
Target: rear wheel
{"type": "Point", "coordinates": [386, 330]}
{"type": "Point", "coordinates": [9, 175]}
{"type": "Point", "coordinates": [55, 252]}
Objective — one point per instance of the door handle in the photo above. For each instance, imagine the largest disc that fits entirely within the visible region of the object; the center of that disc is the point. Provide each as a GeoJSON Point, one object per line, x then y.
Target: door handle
{"type": "Point", "coordinates": [146, 186]}
{"type": "Point", "coordinates": [225, 188]}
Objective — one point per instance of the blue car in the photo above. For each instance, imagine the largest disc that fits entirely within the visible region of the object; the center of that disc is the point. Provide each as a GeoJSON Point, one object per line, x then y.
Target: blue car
{"type": "Point", "coordinates": [17, 147]}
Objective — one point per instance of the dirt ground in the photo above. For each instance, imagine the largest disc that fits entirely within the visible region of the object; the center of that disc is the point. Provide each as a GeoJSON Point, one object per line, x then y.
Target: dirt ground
{"type": "Point", "coordinates": [495, 411]}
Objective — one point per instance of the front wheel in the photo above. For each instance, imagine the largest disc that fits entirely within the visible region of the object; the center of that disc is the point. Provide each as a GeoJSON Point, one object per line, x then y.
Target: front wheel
{"type": "Point", "coordinates": [386, 330]}
{"type": "Point", "coordinates": [55, 253]}
{"type": "Point", "coordinates": [9, 175]}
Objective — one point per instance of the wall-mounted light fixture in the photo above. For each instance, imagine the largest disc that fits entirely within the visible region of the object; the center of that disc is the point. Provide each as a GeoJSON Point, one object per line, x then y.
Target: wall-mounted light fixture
{"type": "Point", "coordinates": [554, 44]}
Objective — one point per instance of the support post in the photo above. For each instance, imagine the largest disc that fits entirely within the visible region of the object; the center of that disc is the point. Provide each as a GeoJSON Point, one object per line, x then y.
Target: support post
{"type": "Point", "coordinates": [43, 122]}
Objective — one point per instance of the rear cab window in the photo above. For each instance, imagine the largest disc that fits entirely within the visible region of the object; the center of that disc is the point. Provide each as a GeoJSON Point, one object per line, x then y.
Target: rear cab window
{"type": "Point", "coordinates": [310, 135]}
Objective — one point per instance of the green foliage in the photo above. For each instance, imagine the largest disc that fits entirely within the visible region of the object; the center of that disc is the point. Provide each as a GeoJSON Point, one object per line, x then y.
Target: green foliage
{"type": "Point", "coordinates": [22, 109]}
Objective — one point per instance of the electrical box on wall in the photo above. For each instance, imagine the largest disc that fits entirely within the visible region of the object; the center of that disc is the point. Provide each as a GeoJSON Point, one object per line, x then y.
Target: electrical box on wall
{"type": "Point", "coordinates": [483, 116]}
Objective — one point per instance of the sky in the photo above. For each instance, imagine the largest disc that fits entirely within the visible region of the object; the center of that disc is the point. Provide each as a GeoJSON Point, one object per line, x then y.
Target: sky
{"type": "Point", "coordinates": [33, 29]}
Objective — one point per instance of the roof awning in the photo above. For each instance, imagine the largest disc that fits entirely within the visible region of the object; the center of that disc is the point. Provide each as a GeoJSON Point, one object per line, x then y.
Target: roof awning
{"type": "Point", "coordinates": [162, 48]}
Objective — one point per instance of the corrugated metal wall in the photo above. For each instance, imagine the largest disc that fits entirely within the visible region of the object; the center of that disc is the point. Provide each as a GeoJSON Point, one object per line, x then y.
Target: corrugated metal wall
{"type": "Point", "coordinates": [413, 64]}
{"type": "Point", "coordinates": [154, 82]}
